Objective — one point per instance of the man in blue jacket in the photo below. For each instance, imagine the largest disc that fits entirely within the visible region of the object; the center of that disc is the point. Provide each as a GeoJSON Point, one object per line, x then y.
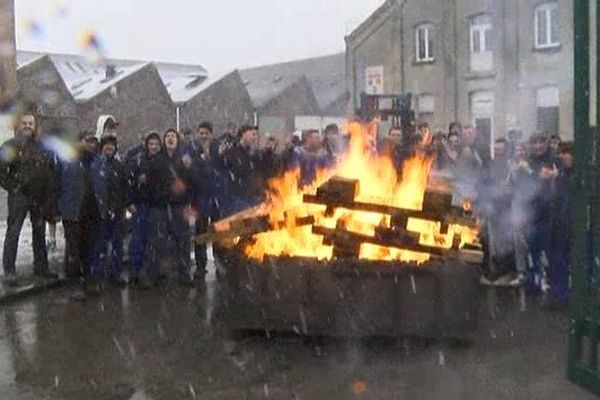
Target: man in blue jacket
{"type": "Point", "coordinates": [112, 193]}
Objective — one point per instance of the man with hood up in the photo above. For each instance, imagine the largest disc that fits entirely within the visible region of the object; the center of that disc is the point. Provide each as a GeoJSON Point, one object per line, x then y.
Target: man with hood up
{"type": "Point", "coordinates": [112, 193]}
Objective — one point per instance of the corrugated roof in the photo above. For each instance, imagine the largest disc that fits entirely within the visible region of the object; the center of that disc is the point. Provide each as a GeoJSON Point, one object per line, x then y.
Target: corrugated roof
{"type": "Point", "coordinates": [326, 75]}
{"type": "Point", "coordinates": [86, 79]}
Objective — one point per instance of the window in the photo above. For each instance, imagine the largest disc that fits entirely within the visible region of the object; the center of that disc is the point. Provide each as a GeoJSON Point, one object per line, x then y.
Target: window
{"type": "Point", "coordinates": [482, 42]}
{"type": "Point", "coordinates": [548, 103]}
{"type": "Point", "coordinates": [374, 79]}
{"type": "Point", "coordinates": [546, 26]}
{"type": "Point", "coordinates": [482, 115]}
{"type": "Point", "coordinates": [424, 42]}
{"type": "Point", "coordinates": [425, 106]}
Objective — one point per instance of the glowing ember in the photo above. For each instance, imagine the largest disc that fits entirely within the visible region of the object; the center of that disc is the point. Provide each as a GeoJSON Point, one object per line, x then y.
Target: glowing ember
{"type": "Point", "coordinates": [378, 184]}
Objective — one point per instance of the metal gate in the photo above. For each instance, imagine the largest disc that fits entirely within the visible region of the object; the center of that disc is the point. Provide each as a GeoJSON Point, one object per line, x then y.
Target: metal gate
{"type": "Point", "coordinates": [584, 335]}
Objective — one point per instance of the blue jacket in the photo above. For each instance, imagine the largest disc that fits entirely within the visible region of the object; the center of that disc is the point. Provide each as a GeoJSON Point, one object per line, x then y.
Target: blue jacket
{"type": "Point", "coordinates": [72, 189]}
{"type": "Point", "coordinates": [111, 185]}
{"type": "Point", "coordinates": [309, 163]}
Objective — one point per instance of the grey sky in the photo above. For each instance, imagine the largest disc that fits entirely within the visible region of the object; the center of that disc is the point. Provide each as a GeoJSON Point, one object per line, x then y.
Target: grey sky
{"type": "Point", "coordinates": [219, 34]}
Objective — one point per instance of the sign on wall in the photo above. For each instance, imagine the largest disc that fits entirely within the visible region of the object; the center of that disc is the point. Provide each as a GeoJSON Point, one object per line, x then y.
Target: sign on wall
{"type": "Point", "coordinates": [374, 79]}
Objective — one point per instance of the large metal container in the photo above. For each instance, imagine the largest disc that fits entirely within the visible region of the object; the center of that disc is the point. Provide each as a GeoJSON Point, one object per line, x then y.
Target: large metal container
{"type": "Point", "coordinates": [348, 298]}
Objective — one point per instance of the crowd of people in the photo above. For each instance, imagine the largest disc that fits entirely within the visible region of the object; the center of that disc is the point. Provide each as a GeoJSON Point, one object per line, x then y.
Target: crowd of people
{"type": "Point", "coordinates": [174, 185]}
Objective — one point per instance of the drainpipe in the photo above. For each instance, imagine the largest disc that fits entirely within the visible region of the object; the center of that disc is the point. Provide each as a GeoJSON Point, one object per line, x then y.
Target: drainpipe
{"type": "Point", "coordinates": [178, 118]}
{"type": "Point", "coordinates": [455, 39]}
{"type": "Point", "coordinates": [255, 118]}
{"type": "Point", "coordinates": [403, 49]}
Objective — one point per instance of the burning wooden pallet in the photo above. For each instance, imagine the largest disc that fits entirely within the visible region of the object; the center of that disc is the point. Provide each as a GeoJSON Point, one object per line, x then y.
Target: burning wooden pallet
{"type": "Point", "coordinates": [340, 193]}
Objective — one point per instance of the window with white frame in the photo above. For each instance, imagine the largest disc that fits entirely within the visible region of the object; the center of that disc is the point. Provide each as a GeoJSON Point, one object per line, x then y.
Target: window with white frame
{"type": "Point", "coordinates": [425, 106]}
{"type": "Point", "coordinates": [546, 25]}
{"type": "Point", "coordinates": [482, 42]}
{"type": "Point", "coordinates": [424, 42]}
{"type": "Point", "coordinates": [548, 110]}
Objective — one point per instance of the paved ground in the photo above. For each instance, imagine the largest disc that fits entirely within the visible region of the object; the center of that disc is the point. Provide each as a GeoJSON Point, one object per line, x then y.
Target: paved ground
{"type": "Point", "coordinates": [25, 252]}
{"type": "Point", "coordinates": [166, 344]}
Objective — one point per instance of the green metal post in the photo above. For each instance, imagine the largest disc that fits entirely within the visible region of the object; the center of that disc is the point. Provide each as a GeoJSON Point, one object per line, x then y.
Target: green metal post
{"type": "Point", "coordinates": [581, 209]}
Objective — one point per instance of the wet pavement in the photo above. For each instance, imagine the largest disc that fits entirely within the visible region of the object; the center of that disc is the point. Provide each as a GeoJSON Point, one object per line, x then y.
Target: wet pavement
{"type": "Point", "coordinates": [168, 344]}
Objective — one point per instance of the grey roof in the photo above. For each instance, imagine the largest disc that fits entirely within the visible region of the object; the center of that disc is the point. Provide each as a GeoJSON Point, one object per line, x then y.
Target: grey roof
{"type": "Point", "coordinates": [27, 57]}
{"type": "Point", "coordinates": [86, 79]}
{"type": "Point", "coordinates": [181, 80]}
{"type": "Point", "coordinates": [326, 76]}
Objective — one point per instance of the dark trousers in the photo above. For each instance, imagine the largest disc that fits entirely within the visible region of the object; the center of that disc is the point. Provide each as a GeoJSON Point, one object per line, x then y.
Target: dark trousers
{"type": "Point", "coordinates": [81, 238]}
{"type": "Point", "coordinates": [539, 245]}
{"type": "Point", "coordinates": [558, 274]}
{"type": "Point", "coordinates": [18, 207]}
{"type": "Point", "coordinates": [165, 222]}
{"type": "Point", "coordinates": [109, 247]}
{"type": "Point", "coordinates": [202, 223]}
{"type": "Point", "coordinates": [139, 239]}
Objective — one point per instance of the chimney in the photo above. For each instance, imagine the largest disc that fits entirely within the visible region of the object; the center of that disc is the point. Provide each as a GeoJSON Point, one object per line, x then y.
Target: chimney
{"type": "Point", "coordinates": [110, 72]}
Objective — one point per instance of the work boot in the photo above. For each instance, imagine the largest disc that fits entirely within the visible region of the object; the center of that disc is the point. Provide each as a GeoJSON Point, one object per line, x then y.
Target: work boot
{"type": "Point", "coordinates": [78, 295]}
{"type": "Point", "coordinates": [45, 274]}
{"type": "Point", "coordinates": [120, 280]}
{"type": "Point", "coordinates": [200, 274]}
{"type": "Point", "coordinates": [186, 280]}
{"type": "Point", "coordinates": [94, 289]}
{"type": "Point", "coordinates": [11, 280]}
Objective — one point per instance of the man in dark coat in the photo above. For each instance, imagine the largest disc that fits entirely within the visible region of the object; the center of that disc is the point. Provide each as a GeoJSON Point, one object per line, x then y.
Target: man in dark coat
{"type": "Point", "coordinates": [137, 168]}
{"type": "Point", "coordinates": [204, 153]}
{"type": "Point", "coordinates": [562, 220]}
{"type": "Point", "coordinates": [112, 192]}
{"type": "Point", "coordinates": [79, 211]}
{"type": "Point", "coordinates": [169, 199]}
{"type": "Point", "coordinates": [27, 173]}
{"type": "Point", "coordinates": [247, 184]}
{"type": "Point", "coordinates": [544, 169]}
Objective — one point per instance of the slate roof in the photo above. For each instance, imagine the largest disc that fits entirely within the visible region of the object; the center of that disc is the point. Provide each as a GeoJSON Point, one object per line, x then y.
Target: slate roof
{"type": "Point", "coordinates": [326, 76]}
{"type": "Point", "coordinates": [86, 79]}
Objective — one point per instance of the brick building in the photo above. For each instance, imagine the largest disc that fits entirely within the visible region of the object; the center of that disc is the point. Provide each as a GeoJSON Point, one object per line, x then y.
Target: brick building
{"type": "Point", "coordinates": [497, 64]}
{"type": "Point", "coordinates": [137, 98]}
{"type": "Point", "coordinates": [40, 83]}
{"type": "Point", "coordinates": [278, 97]}
{"type": "Point", "coordinates": [141, 95]}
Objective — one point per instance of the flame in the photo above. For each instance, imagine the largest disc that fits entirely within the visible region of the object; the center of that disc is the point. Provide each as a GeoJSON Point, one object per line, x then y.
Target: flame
{"type": "Point", "coordinates": [378, 184]}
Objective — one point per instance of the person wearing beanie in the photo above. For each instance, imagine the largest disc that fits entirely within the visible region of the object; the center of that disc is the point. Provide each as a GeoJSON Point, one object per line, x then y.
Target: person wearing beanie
{"type": "Point", "coordinates": [112, 193]}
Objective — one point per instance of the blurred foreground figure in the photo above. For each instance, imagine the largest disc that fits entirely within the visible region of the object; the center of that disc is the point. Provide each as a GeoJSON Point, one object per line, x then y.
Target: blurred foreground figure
{"type": "Point", "coordinates": [28, 175]}
{"type": "Point", "coordinates": [79, 211]}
